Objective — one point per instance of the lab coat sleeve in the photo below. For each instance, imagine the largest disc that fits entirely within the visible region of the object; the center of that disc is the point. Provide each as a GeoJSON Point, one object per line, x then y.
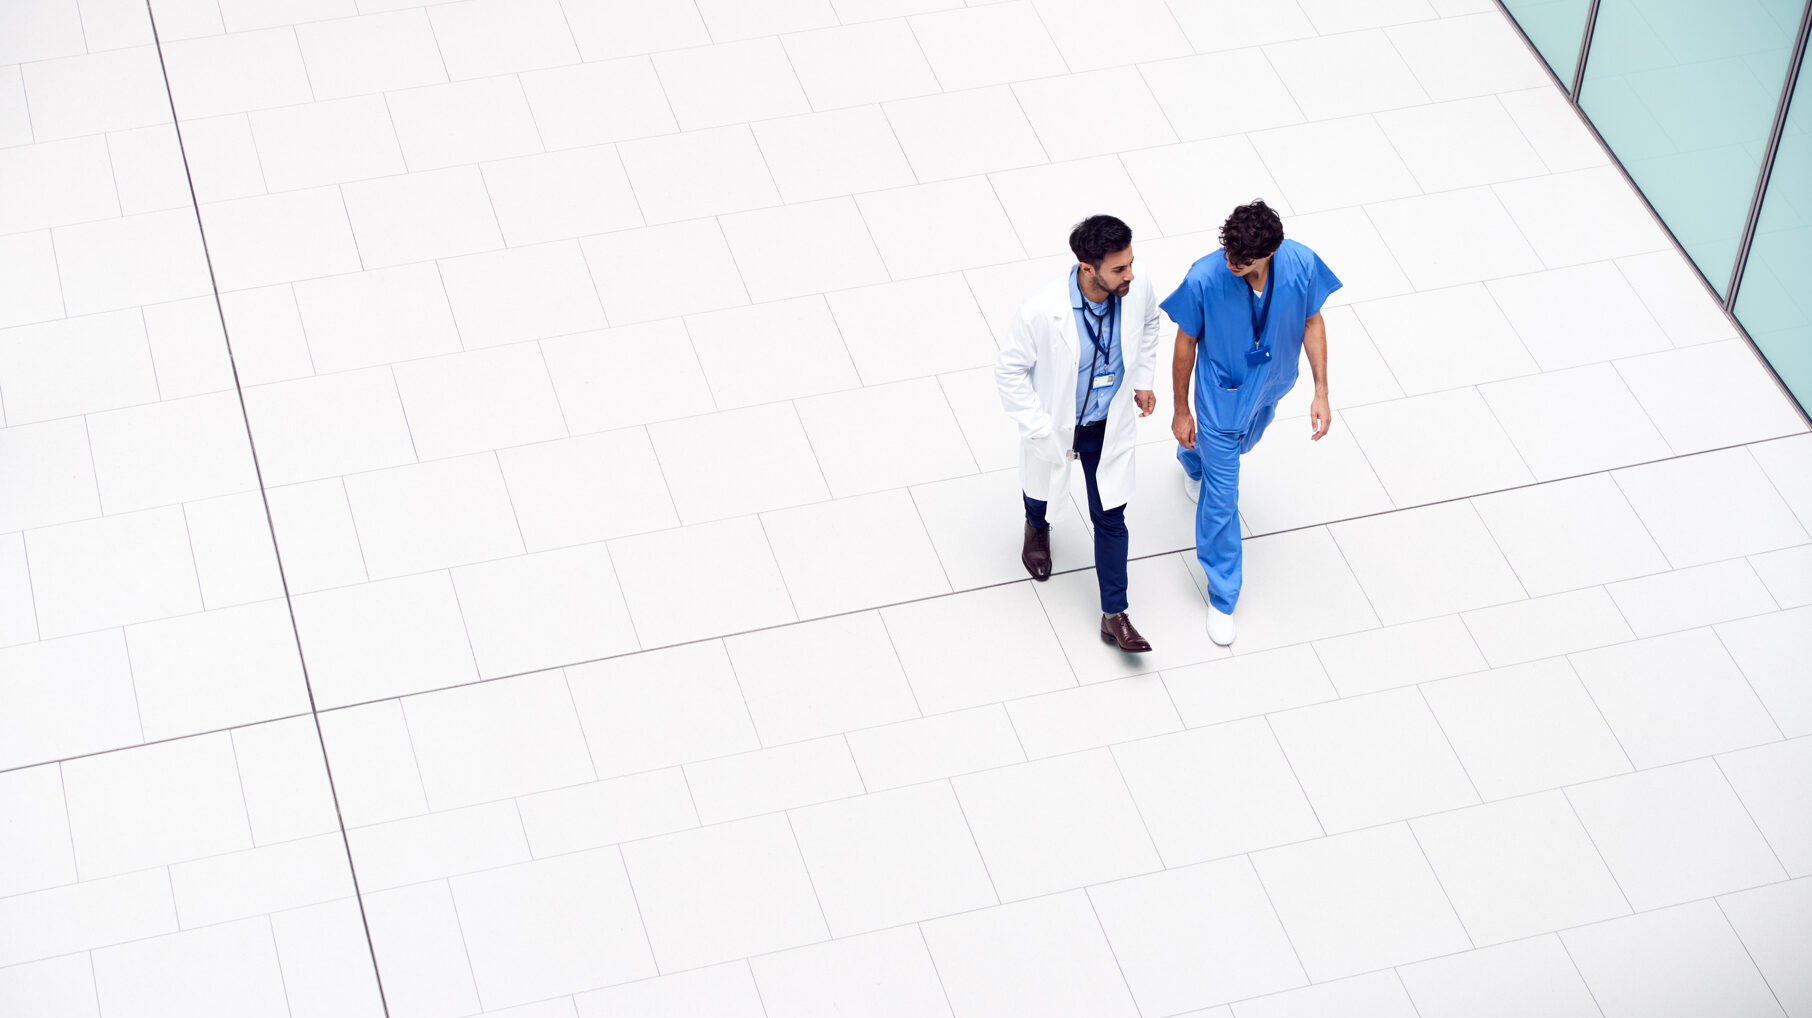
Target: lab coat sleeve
{"type": "Point", "coordinates": [1013, 377]}
{"type": "Point", "coordinates": [1148, 343]}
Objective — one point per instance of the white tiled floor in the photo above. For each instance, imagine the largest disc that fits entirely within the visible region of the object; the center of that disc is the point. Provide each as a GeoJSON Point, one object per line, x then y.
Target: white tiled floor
{"type": "Point", "coordinates": [643, 630]}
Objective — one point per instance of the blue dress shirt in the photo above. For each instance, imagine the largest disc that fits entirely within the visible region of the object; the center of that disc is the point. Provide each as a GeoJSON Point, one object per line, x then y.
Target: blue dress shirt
{"type": "Point", "coordinates": [1091, 403]}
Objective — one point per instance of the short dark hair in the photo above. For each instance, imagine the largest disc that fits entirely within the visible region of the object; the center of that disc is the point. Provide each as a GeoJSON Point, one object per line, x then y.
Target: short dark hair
{"type": "Point", "coordinates": [1252, 232]}
{"type": "Point", "coordinates": [1096, 237]}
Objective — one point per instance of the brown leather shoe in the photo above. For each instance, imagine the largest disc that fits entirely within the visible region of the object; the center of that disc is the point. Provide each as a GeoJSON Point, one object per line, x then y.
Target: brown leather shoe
{"type": "Point", "coordinates": [1037, 553]}
{"type": "Point", "coordinates": [1119, 629]}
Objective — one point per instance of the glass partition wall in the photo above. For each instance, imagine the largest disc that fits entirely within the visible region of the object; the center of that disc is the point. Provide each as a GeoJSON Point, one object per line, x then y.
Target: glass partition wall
{"type": "Point", "coordinates": [1696, 100]}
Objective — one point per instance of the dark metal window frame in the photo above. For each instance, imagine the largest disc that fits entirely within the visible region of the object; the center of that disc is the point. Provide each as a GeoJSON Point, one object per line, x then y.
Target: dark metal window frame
{"type": "Point", "coordinates": [1571, 90]}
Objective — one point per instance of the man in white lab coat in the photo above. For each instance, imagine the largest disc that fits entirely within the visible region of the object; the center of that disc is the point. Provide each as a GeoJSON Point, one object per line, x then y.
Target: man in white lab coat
{"type": "Point", "coordinates": [1077, 367]}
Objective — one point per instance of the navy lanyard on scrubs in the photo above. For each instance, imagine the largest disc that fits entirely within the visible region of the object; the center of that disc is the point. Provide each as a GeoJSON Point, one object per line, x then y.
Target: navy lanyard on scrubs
{"type": "Point", "coordinates": [1261, 313]}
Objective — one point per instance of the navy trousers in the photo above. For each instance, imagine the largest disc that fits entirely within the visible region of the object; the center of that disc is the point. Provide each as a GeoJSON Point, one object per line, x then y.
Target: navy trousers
{"type": "Point", "coordinates": [1111, 538]}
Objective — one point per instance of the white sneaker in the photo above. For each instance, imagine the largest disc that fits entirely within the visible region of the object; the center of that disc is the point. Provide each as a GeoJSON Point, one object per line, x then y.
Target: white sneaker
{"type": "Point", "coordinates": [1220, 626]}
{"type": "Point", "coordinates": [1192, 487]}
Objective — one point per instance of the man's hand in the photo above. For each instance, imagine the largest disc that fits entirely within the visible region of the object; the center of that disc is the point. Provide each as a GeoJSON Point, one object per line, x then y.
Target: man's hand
{"type": "Point", "coordinates": [1145, 400]}
{"type": "Point", "coordinates": [1320, 417]}
{"type": "Point", "coordinates": [1182, 426]}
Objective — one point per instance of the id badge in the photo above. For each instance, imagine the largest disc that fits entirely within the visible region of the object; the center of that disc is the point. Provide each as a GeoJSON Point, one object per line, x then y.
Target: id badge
{"type": "Point", "coordinates": [1255, 358]}
{"type": "Point", "coordinates": [1102, 382]}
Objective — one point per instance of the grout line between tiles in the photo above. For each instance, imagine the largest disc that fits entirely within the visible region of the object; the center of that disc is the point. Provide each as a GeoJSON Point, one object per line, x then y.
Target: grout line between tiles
{"type": "Point", "coordinates": [1747, 953]}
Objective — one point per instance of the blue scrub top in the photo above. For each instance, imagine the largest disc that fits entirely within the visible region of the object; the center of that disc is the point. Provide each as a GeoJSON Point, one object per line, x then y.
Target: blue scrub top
{"type": "Point", "coordinates": [1091, 403]}
{"type": "Point", "coordinates": [1211, 304]}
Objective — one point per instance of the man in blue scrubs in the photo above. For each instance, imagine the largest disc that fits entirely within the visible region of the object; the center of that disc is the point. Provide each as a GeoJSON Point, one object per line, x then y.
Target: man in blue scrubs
{"type": "Point", "coordinates": [1244, 314]}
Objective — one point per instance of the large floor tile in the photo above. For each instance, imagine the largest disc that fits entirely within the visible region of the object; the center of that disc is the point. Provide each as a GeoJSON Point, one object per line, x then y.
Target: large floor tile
{"type": "Point", "coordinates": [978, 647]}
{"type": "Point", "coordinates": [698, 173]}
{"type": "Point", "coordinates": [1523, 977]}
{"type": "Point", "coordinates": [543, 610]}
{"type": "Point", "coordinates": [962, 133]}
{"type": "Point", "coordinates": [1519, 867]}
{"type": "Point", "coordinates": [1415, 335]}
{"type": "Point", "coordinates": [479, 401]}
{"type": "Point", "coordinates": [1771, 922]}
{"type": "Point", "coordinates": [1569, 534]}
{"type": "Point", "coordinates": [1473, 55]}
{"type": "Point", "coordinates": [1769, 650]}
{"type": "Point", "coordinates": [890, 973]}
{"type": "Point", "coordinates": [490, 38]}
{"type": "Point", "coordinates": [1056, 824]}
{"type": "Point", "coordinates": [823, 155]}
{"type": "Point", "coordinates": [1744, 405]}
{"type": "Point", "coordinates": [885, 436]}
{"type": "Point", "coordinates": [119, 820]}
{"type": "Point", "coordinates": [738, 462]}
{"type": "Point", "coordinates": [1248, 685]}
{"type": "Point", "coordinates": [1766, 779]}
{"type": "Point", "coordinates": [596, 103]}
{"type": "Point", "coordinates": [896, 857]}
{"type": "Point", "coordinates": [76, 366]}
{"type": "Point", "coordinates": [1095, 715]}
{"type": "Point", "coordinates": [920, 230]}
{"type": "Point", "coordinates": [1581, 216]}
{"type": "Point", "coordinates": [584, 371]}
{"type": "Point", "coordinates": [663, 271]}
{"type": "Point", "coordinates": [1679, 961]}
{"type": "Point", "coordinates": [857, 65]}
{"type": "Point", "coordinates": [1054, 105]}
{"type": "Point", "coordinates": [1579, 315]}
{"type": "Point", "coordinates": [821, 678]}
{"type": "Point", "coordinates": [1340, 75]}
{"type": "Point", "coordinates": [1673, 698]}
{"type": "Point", "coordinates": [1460, 144]}
{"type": "Point", "coordinates": [660, 573]}
{"type": "Point", "coordinates": [1215, 792]}
{"type": "Point", "coordinates": [1525, 728]}
{"type": "Point", "coordinates": [724, 892]}
{"type": "Point", "coordinates": [770, 245]}
{"type": "Point", "coordinates": [540, 929]}
{"type": "Point", "coordinates": [227, 969]}
{"type": "Point", "coordinates": [416, 941]}
{"type": "Point", "coordinates": [730, 83]}
{"type": "Point", "coordinates": [1441, 446]}
{"type": "Point", "coordinates": [1182, 202]}
{"type": "Point", "coordinates": [1454, 237]}
{"type": "Point", "coordinates": [766, 352]}
{"type": "Point", "coordinates": [383, 639]}
{"type": "Point", "coordinates": [987, 45]}
{"type": "Point", "coordinates": [417, 216]}
{"type": "Point", "coordinates": [112, 571]}
{"type": "Point", "coordinates": [1040, 202]}
{"type": "Point", "coordinates": [880, 327]}
{"type": "Point", "coordinates": [1372, 759]}
{"type": "Point", "coordinates": [1046, 956]}
{"type": "Point", "coordinates": [1352, 246]}
{"type": "Point", "coordinates": [1695, 596]}
{"type": "Point", "coordinates": [1195, 937]}
{"type": "Point", "coordinates": [568, 492]}
{"type": "Point", "coordinates": [432, 515]}
{"type": "Point", "coordinates": [646, 711]}
{"type": "Point", "coordinates": [1674, 834]}
{"type": "Point", "coordinates": [727, 990]}
{"type": "Point", "coordinates": [854, 553]}
{"type": "Point", "coordinates": [561, 195]}
{"type": "Point", "coordinates": [1574, 421]}
{"type": "Point", "coordinates": [1370, 170]}
{"type": "Point", "coordinates": [1178, 84]}
{"type": "Point", "coordinates": [1403, 655]}
{"type": "Point", "coordinates": [939, 746]}
{"type": "Point", "coordinates": [1432, 561]}
{"type": "Point", "coordinates": [1711, 507]}
{"type": "Point", "coordinates": [1688, 311]}
{"type": "Point", "coordinates": [1360, 901]}
{"type": "Point", "coordinates": [215, 670]}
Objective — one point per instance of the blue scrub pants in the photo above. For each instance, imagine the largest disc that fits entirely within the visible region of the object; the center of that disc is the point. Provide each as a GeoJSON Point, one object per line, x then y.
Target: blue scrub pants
{"type": "Point", "coordinates": [1112, 539]}
{"type": "Point", "coordinates": [1215, 462]}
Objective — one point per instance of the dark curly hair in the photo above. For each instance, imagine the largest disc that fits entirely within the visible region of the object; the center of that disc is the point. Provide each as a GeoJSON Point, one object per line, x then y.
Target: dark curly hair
{"type": "Point", "coordinates": [1252, 232]}
{"type": "Point", "coordinates": [1096, 237]}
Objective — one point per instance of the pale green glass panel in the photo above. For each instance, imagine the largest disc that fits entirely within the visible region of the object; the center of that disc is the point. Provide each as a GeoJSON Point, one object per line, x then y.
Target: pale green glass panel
{"type": "Point", "coordinates": [1774, 300]}
{"type": "Point", "coordinates": [1556, 27]}
{"type": "Point", "coordinates": [1684, 92]}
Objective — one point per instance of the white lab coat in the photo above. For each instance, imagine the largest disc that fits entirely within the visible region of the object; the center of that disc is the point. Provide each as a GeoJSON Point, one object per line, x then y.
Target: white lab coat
{"type": "Point", "coordinates": [1036, 375]}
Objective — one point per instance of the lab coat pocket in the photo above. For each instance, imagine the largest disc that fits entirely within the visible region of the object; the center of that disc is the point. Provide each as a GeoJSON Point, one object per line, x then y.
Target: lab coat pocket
{"type": "Point", "coordinates": [1048, 447]}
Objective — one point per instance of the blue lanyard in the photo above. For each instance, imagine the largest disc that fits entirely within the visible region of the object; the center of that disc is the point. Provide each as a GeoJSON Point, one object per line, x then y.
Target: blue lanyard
{"type": "Point", "coordinates": [1260, 315]}
{"type": "Point", "coordinates": [1096, 330]}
